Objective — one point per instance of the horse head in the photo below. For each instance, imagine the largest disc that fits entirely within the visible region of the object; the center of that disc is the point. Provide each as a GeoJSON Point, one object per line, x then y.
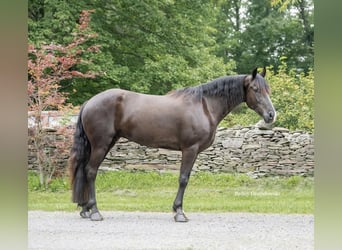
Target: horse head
{"type": "Point", "coordinates": [257, 95]}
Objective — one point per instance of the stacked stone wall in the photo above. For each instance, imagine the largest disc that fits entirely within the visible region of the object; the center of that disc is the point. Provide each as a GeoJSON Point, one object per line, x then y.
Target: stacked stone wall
{"type": "Point", "coordinates": [258, 152]}
{"type": "Point", "coordinates": [236, 150]}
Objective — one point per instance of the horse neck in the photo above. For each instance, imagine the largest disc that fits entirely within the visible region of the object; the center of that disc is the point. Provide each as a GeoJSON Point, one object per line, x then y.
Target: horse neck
{"type": "Point", "coordinates": [220, 106]}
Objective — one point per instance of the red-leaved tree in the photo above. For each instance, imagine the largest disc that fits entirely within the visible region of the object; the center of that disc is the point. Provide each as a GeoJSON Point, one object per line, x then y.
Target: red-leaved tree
{"type": "Point", "coordinates": [48, 65]}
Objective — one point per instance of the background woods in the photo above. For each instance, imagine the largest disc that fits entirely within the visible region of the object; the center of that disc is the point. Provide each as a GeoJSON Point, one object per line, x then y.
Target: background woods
{"type": "Point", "coordinates": [154, 46]}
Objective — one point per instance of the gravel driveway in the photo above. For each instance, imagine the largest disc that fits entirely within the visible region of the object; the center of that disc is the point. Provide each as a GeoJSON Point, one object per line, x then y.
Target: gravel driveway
{"type": "Point", "coordinates": [137, 230]}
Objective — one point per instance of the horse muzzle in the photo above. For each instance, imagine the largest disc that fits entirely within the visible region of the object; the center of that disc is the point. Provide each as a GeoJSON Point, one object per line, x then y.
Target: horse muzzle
{"type": "Point", "coordinates": [270, 116]}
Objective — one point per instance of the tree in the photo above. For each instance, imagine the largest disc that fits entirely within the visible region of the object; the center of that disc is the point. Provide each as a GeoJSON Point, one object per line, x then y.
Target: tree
{"type": "Point", "coordinates": [148, 46]}
{"type": "Point", "coordinates": [267, 32]}
{"type": "Point", "coordinates": [156, 46]}
{"type": "Point", "coordinates": [47, 66]}
{"type": "Point", "coordinates": [302, 11]}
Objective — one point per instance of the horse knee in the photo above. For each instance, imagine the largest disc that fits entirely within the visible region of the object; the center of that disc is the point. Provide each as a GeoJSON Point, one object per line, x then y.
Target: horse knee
{"type": "Point", "coordinates": [91, 173]}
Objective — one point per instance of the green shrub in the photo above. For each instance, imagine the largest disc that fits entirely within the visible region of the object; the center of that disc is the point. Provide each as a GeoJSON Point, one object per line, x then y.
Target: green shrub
{"type": "Point", "coordinates": [293, 98]}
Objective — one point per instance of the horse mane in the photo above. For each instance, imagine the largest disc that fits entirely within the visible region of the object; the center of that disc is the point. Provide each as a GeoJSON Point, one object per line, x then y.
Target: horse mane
{"type": "Point", "coordinates": [228, 87]}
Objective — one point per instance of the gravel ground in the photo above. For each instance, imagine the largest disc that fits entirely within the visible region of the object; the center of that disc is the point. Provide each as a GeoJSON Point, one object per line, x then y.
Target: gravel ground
{"type": "Point", "coordinates": [137, 230]}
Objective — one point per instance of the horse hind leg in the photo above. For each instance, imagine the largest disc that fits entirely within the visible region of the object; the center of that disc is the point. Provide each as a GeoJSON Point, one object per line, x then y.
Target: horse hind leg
{"type": "Point", "coordinates": [85, 213]}
{"type": "Point", "coordinates": [90, 210]}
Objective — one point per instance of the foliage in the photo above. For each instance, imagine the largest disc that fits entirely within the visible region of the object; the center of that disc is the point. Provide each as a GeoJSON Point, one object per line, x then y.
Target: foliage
{"type": "Point", "coordinates": [260, 32]}
{"type": "Point", "coordinates": [293, 98]}
{"type": "Point", "coordinates": [292, 95]}
{"type": "Point", "coordinates": [47, 66]}
{"type": "Point", "coordinates": [146, 46]}
{"type": "Point", "coordinates": [154, 46]}
{"type": "Point", "coordinates": [152, 191]}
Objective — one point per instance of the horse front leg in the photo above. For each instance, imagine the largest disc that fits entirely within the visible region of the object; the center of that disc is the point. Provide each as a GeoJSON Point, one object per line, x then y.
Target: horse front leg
{"type": "Point", "coordinates": [188, 158]}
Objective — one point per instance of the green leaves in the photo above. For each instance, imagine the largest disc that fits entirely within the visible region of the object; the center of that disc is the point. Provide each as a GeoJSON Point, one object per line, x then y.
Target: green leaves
{"type": "Point", "coordinates": [293, 98]}
{"type": "Point", "coordinates": [258, 34]}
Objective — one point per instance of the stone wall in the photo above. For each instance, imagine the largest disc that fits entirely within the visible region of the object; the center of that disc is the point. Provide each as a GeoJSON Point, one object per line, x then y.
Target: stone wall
{"type": "Point", "coordinates": [252, 150]}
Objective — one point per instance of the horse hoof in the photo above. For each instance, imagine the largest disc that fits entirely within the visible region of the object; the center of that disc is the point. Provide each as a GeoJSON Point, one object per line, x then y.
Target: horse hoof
{"type": "Point", "coordinates": [85, 214]}
{"type": "Point", "coordinates": [96, 216]}
{"type": "Point", "coordinates": [180, 217]}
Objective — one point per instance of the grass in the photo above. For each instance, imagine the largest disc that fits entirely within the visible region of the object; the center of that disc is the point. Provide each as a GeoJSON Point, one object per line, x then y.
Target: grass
{"type": "Point", "coordinates": [206, 192]}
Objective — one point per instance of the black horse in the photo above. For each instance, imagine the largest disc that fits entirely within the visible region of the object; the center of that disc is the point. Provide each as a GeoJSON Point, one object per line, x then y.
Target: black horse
{"type": "Point", "coordinates": [184, 119]}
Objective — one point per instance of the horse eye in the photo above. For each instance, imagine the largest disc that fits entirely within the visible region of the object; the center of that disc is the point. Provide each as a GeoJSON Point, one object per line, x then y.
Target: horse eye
{"type": "Point", "coordinates": [254, 87]}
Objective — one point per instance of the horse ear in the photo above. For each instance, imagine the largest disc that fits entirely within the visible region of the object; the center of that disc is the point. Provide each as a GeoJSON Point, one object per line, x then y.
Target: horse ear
{"type": "Point", "coordinates": [263, 73]}
{"type": "Point", "coordinates": [254, 73]}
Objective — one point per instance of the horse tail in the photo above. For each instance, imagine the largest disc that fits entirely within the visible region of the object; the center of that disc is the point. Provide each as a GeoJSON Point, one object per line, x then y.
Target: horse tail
{"type": "Point", "coordinates": [79, 157]}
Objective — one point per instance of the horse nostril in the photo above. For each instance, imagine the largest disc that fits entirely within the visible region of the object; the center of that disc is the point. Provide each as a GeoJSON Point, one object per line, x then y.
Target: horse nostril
{"type": "Point", "coordinates": [271, 115]}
